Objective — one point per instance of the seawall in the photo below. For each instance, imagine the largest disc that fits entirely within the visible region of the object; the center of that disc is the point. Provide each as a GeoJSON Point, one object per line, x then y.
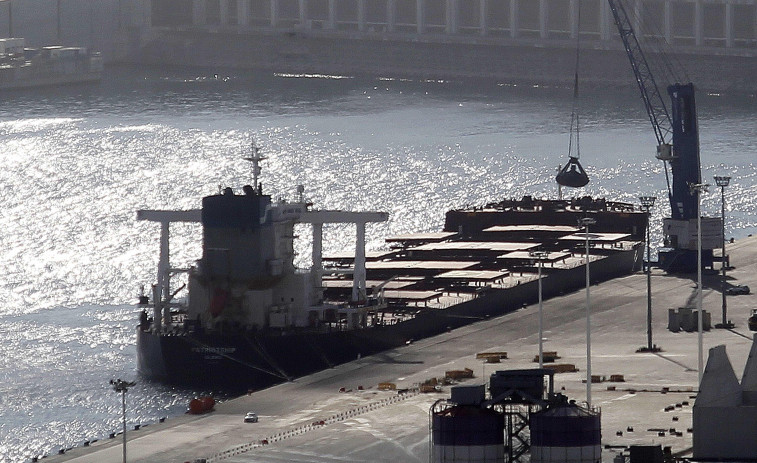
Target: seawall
{"type": "Point", "coordinates": [432, 57]}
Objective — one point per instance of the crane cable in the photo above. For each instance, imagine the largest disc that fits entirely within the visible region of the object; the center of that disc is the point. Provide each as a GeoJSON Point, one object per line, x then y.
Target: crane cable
{"type": "Point", "coordinates": [662, 58]}
{"type": "Point", "coordinates": [573, 174]}
{"type": "Point", "coordinates": [574, 112]}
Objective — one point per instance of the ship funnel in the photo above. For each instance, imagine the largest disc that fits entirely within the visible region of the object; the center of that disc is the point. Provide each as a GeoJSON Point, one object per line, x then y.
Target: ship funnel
{"type": "Point", "coordinates": [572, 175]}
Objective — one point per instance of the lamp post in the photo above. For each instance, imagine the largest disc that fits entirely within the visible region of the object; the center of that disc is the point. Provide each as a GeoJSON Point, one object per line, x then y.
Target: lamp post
{"type": "Point", "coordinates": [540, 256]}
{"type": "Point", "coordinates": [57, 19]}
{"type": "Point", "coordinates": [10, 18]}
{"type": "Point", "coordinates": [647, 202]}
{"type": "Point", "coordinates": [586, 222]}
{"type": "Point", "coordinates": [697, 189]}
{"type": "Point", "coordinates": [722, 182]}
{"type": "Point", "coordinates": [122, 386]}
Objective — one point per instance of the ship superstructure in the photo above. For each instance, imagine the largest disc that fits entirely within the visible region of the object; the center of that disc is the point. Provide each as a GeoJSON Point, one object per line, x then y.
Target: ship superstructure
{"type": "Point", "coordinates": [246, 281]}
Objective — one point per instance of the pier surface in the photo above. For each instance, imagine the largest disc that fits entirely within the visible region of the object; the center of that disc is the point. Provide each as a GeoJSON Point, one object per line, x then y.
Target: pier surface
{"type": "Point", "coordinates": [311, 420]}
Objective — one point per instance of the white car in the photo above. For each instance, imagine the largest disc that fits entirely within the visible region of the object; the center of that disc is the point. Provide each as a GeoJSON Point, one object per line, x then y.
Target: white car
{"type": "Point", "coordinates": [251, 418]}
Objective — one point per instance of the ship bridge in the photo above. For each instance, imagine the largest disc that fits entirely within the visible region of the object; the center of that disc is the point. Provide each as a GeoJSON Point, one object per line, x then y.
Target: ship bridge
{"type": "Point", "coordinates": [316, 218]}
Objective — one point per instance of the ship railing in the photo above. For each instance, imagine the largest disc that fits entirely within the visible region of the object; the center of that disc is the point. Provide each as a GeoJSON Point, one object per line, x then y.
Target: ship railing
{"type": "Point", "coordinates": [449, 299]}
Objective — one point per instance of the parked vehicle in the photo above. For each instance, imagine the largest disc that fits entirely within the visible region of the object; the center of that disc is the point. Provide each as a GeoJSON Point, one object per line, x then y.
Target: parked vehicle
{"type": "Point", "coordinates": [737, 290]}
{"type": "Point", "coordinates": [753, 320]}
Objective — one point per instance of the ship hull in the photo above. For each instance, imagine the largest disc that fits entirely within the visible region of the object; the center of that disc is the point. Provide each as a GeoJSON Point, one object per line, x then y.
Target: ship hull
{"type": "Point", "coordinates": [246, 361]}
{"type": "Point", "coordinates": [53, 80]}
{"type": "Point", "coordinates": [255, 360]}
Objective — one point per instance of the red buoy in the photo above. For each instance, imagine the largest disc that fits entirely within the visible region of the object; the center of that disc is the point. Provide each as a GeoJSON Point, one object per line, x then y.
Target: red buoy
{"type": "Point", "coordinates": [207, 403]}
{"type": "Point", "coordinates": [218, 302]}
{"type": "Point", "coordinates": [196, 406]}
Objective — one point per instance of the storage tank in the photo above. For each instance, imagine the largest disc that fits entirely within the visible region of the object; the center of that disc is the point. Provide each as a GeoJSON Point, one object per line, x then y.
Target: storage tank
{"type": "Point", "coordinates": [566, 433]}
{"type": "Point", "coordinates": [466, 433]}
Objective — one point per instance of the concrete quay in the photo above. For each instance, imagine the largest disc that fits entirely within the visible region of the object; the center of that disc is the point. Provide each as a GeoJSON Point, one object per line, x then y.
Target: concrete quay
{"type": "Point", "coordinates": [510, 42]}
{"type": "Point", "coordinates": [310, 420]}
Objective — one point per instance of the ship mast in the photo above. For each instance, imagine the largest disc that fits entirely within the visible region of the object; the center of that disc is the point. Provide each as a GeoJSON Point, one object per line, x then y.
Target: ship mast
{"type": "Point", "coordinates": [255, 159]}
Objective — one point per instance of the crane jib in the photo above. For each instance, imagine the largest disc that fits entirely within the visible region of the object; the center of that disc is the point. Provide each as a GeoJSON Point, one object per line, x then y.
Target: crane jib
{"type": "Point", "coordinates": [653, 101]}
{"type": "Point", "coordinates": [680, 122]}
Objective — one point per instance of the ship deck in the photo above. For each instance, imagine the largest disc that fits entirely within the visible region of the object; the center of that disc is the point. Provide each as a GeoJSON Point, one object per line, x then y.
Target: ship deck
{"type": "Point", "coordinates": [442, 269]}
{"type": "Point", "coordinates": [309, 420]}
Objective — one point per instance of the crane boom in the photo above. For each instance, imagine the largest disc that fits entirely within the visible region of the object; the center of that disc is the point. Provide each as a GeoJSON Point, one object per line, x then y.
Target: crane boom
{"type": "Point", "coordinates": [650, 93]}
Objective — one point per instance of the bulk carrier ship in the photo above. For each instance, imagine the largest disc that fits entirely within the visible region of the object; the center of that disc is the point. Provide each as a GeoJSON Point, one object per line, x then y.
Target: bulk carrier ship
{"type": "Point", "coordinates": [249, 318]}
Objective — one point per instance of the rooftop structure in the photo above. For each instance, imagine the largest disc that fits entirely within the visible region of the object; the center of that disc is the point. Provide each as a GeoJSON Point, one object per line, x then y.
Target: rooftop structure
{"type": "Point", "coordinates": [705, 23]}
{"type": "Point", "coordinates": [725, 405]}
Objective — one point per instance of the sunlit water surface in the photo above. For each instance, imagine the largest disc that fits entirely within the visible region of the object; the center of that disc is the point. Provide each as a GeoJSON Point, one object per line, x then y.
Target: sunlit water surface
{"type": "Point", "coordinates": [78, 162]}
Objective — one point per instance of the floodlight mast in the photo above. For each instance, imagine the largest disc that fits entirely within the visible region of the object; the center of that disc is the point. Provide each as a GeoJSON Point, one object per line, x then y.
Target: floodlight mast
{"type": "Point", "coordinates": [647, 202]}
{"type": "Point", "coordinates": [122, 386]}
{"type": "Point", "coordinates": [722, 182]}
{"type": "Point", "coordinates": [540, 256]}
{"type": "Point", "coordinates": [586, 222]}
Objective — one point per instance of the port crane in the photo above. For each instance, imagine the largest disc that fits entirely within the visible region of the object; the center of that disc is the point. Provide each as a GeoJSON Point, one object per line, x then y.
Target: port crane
{"type": "Point", "coordinates": [677, 134]}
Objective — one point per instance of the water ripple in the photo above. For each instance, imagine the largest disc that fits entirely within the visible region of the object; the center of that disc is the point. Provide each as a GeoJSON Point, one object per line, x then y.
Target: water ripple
{"type": "Point", "coordinates": [77, 167]}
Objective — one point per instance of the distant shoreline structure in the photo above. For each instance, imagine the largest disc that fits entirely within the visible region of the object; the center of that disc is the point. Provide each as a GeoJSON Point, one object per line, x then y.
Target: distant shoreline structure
{"type": "Point", "coordinates": [426, 57]}
{"type": "Point", "coordinates": [510, 41]}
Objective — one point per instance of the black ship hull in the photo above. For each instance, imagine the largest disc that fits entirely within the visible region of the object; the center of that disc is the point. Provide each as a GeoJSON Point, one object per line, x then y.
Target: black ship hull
{"type": "Point", "coordinates": [254, 360]}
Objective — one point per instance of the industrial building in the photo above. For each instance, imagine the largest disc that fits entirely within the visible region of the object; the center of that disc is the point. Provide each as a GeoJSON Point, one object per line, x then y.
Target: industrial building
{"type": "Point", "coordinates": [726, 24]}
{"type": "Point", "coordinates": [508, 40]}
{"type": "Point", "coordinates": [725, 412]}
{"type": "Point", "coordinates": [515, 41]}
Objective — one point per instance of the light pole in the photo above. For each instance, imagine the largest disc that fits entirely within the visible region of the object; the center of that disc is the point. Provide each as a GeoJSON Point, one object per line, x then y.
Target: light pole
{"type": "Point", "coordinates": [122, 386]}
{"type": "Point", "coordinates": [647, 202]}
{"type": "Point", "coordinates": [697, 189]}
{"type": "Point", "coordinates": [57, 17]}
{"type": "Point", "coordinates": [722, 182]}
{"type": "Point", "coordinates": [586, 222]}
{"type": "Point", "coordinates": [540, 256]}
{"type": "Point", "coordinates": [10, 18]}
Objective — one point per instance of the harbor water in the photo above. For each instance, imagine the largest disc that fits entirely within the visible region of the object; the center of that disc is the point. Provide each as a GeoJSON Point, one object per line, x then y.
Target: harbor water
{"type": "Point", "coordinates": [78, 162]}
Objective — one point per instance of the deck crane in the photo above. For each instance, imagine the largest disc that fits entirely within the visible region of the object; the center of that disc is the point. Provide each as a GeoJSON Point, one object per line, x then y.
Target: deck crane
{"type": "Point", "coordinates": [677, 134]}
